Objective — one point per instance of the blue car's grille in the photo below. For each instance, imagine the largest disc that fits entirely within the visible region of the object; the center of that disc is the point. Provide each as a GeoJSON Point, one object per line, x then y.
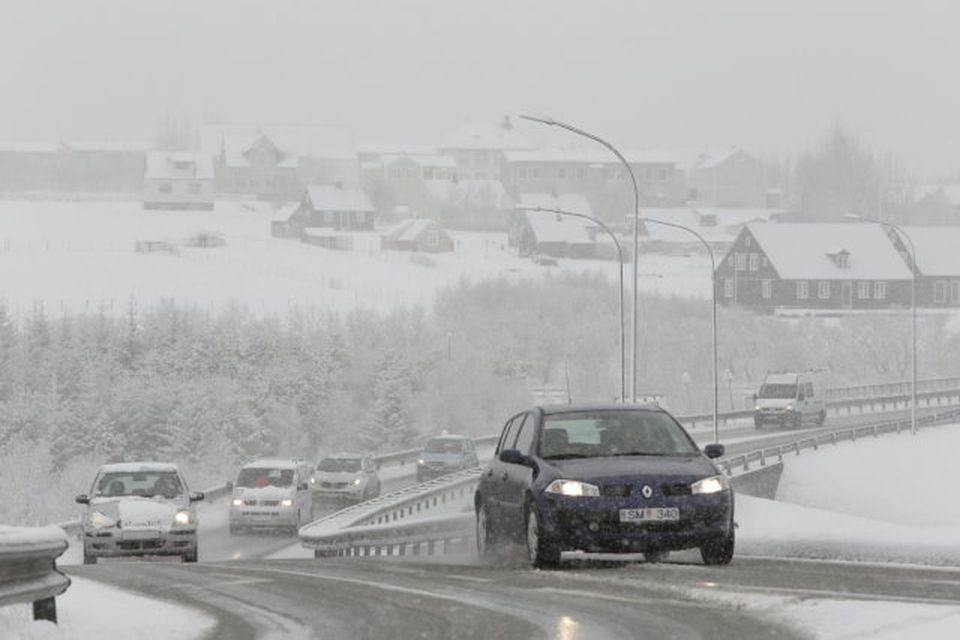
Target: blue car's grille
{"type": "Point", "coordinates": [615, 490]}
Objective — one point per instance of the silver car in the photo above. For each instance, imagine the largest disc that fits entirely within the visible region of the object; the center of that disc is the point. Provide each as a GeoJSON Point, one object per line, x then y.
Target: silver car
{"type": "Point", "coordinates": [445, 454]}
{"type": "Point", "coordinates": [346, 476]}
{"type": "Point", "coordinates": [139, 509]}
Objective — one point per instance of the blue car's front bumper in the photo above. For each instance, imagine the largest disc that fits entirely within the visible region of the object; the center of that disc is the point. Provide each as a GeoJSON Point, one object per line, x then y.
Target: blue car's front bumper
{"type": "Point", "coordinates": [593, 523]}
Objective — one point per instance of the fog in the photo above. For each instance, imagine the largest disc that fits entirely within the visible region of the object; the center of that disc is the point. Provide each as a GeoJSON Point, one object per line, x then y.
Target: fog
{"type": "Point", "coordinates": [768, 76]}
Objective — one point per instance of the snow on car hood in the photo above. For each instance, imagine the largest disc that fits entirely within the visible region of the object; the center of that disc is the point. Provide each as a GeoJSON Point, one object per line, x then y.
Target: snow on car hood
{"type": "Point", "coordinates": [336, 476]}
{"type": "Point", "coordinates": [263, 493]}
{"type": "Point", "coordinates": [134, 511]}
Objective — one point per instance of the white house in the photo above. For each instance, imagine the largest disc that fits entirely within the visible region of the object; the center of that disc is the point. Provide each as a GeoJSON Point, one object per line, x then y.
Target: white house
{"type": "Point", "coordinates": [178, 180]}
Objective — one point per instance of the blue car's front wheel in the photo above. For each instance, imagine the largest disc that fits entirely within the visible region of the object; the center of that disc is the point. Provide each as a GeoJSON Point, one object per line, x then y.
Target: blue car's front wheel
{"type": "Point", "coordinates": [541, 552]}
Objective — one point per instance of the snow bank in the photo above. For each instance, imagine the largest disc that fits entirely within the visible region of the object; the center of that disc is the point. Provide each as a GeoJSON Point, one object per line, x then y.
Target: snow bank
{"type": "Point", "coordinates": [92, 610]}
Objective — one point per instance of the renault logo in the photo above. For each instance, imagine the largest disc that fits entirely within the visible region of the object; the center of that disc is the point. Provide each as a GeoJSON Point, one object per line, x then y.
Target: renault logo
{"type": "Point", "coordinates": [647, 491]}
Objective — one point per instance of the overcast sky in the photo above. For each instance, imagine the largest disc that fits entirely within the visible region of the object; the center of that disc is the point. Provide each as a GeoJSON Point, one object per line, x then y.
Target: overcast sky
{"type": "Point", "coordinates": [767, 75]}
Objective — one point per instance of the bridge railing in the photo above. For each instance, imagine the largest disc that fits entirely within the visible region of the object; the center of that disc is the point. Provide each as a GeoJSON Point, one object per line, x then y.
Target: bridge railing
{"type": "Point", "coordinates": [28, 568]}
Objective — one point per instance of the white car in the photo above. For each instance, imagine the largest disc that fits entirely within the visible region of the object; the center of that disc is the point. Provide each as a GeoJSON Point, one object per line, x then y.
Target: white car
{"type": "Point", "coordinates": [346, 476]}
{"type": "Point", "coordinates": [139, 509]}
{"type": "Point", "coordinates": [271, 494]}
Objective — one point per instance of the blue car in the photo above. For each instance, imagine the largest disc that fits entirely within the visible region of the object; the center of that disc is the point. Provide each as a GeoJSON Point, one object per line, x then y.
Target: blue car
{"type": "Point", "coordinates": [609, 478]}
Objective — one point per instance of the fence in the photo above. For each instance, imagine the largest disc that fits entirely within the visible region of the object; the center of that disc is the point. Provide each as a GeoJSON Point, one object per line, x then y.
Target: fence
{"type": "Point", "coordinates": [28, 568]}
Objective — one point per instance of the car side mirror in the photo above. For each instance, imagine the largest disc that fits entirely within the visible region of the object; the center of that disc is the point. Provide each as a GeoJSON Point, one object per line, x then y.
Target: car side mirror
{"type": "Point", "coordinates": [229, 485]}
{"type": "Point", "coordinates": [714, 450]}
{"type": "Point", "coordinates": [196, 497]}
{"type": "Point", "coordinates": [82, 499]}
{"type": "Point", "coordinates": [303, 486]}
{"type": "Point", "coordinates": [513, 456]}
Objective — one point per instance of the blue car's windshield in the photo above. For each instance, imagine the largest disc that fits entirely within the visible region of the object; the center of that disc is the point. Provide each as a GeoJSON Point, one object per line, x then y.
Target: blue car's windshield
{"type": "Point", "coordinates": [613, 432]}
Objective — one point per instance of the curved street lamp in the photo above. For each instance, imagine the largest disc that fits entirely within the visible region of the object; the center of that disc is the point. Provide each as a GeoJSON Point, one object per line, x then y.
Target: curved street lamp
{"type": "Point", "coordinates": [599, 223]}
{"type": "Point", "coordinates": [713, 282]}
{"type": "Point", "coordinates": [550, 122]}
{"type": "Point", "coordinates": [913, 310]}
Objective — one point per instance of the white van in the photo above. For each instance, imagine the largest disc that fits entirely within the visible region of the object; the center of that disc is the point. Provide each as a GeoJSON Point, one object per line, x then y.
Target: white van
{"type": "Point", "coordinates": [271, 494]}
{"type": "Point", "coordinates": [789, 400]}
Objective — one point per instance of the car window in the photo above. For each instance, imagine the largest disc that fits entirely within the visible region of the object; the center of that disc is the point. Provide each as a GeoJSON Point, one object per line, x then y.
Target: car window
{"type": "Point", "coordinates": [349, 465]}
{"type": "Point", "coordinates": [166, 484]}
{"type": "Point", "coordinates": [509, 433]}
{"type": "Point", "coordinates": [778, 391]}
{"type": "Point", "coordinates": [617, 432]}
{"type": "Point", "coordinates": [253, 477]}
{"type": "Point", "coordinates": [443, 445]}
{"type": "Point", "coordinates": [525, 438]}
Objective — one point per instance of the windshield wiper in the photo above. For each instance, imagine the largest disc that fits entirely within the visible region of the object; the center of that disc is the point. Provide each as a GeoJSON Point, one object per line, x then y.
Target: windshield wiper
{"type": "Point", "coordinates": [566, 456]}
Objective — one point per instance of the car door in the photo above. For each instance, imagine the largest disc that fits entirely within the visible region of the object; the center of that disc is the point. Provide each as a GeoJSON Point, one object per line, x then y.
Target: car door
{"type": "Point", "coordinates": [493, 479]}
{"type": "Point", "coordinates": [517, 477]}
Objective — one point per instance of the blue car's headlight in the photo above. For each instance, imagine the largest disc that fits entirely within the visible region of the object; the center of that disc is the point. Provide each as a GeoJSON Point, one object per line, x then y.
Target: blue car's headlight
{"type": "Point", "coordinates": [713, 484]}
{"type": "Point", "coordinates": [572, 488]}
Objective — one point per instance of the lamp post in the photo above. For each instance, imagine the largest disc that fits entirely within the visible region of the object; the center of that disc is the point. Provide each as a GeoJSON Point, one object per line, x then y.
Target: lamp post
{"type": "Point", "coordinates": [599, 223]}
{"type": "Point", "coordinates": [913, 311]}
{"type": "Point", "coordinates": [550, 122]}
{"type": "Point", "coordinates": [713, 297]}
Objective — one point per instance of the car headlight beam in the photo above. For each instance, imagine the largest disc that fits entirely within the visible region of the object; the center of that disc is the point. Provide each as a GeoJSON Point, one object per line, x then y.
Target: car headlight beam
{"type": "Point", "coordinates": [181, 518]}
{"type": "Point", "coordinates": [572, 488]}
{"type": "Point", "coordinates": [98, 520]}
{"type": "Point", "coordinates": [286, 502]}
{"type": "Point", "coordinates": [713, 484]}
{"type": "Point", "coordinates": [237, 502]}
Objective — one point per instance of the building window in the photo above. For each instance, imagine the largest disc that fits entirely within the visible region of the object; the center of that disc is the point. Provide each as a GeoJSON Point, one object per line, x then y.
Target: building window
{"type": "Point", "coordinates": [955, 292]}
{"type": "Point", "coordinates": [879, 289]}
{"type": "Point", "coordinates": [580, 174]}
{"type": "Point", "coordinates": [740, 261]}
{"type": "Point", "coordinates": [194, 188]}
{"type": "Point", "coordinates": [165, 187]}
{"type": "Point", "coordinates": [843, 260]}
{"type": "Point", "coordinates": [662, 175]}
{"type": "Point", "coordinates": [803, 290]}
{"type": "Point", "coordinates": [328, 216]}
{"type": "Point", "coordinates": [747, 241]}
{"type": "Point", "coordinates": [940, 291]}
{"type": "Point", "coordinates": [754, 261]}
{"type": "Point", "coordinates": [863, 290]}
{"type": "Point", "coordinates": [433, 237]}
{"type": "Point", "coordinates": [562, 174]}
{"type": "Point", "coordinates": [727, 288]}
{"type": "Point", "coordinates": [521, 174]}
{"type": "Point", "coordinates": [535, 173]}
{"type": "Point", "coordinates": [648, 174]}
{"type": "Point", "coordinates": [824, 290]}
{"type": "Point", "coordinates": [766, 289]}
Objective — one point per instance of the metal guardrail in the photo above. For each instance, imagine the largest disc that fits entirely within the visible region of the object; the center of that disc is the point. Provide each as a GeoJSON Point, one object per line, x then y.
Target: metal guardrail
{"type": "Point", "coordinates": [398, 521]}
{"type": "Point", "coordinates": [28, 568]}
{"type": "Point", "coordinates": [765, 454]}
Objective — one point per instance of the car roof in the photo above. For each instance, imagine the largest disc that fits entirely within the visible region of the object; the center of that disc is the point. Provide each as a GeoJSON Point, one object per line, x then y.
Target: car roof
{"type": "Point", "coordinates": [138, 467]}
{"type": "Point", "coordinates": [344, 455]}
{"type": "Point", "coordinates": [449, 436]}
{"type": "Point", "coordinates": [275, 463]}
{"type": "Point", "coordinates": [554, 409]}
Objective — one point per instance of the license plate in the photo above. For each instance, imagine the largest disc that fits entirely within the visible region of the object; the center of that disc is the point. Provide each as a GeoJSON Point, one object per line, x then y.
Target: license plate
{"type": "Point", "coordinates": [655, 514]}
{"type": "Point", "coordinates": [141, 535]}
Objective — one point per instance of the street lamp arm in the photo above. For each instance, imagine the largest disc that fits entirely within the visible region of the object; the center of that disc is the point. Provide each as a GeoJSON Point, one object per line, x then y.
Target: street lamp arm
{"type": "Point", "coordinates": [699, 237]}
{"type": "Point", "coordinates": [575, 214]}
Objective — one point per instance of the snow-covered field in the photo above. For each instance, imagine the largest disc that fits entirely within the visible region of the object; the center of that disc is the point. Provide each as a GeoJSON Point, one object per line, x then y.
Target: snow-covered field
{"type": "Point", "coordinates": [79, 256]}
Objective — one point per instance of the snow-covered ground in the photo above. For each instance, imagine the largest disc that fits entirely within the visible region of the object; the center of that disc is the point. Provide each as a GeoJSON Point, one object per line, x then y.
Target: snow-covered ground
{"type": "Point", "coordinates": [90, 609]}
{"type": "Point", "coordinates": [80, 256]}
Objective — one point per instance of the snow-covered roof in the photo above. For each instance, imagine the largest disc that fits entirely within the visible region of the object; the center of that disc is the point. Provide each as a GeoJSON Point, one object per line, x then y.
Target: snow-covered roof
{"type": "Point", "coordinates": [572, 202]}
{"type": "Point", "coordinates": [422, 159]}
{"type": "Point", "coordinates": [137, 467]}
{"type": "Point", "coordinates": [485, 136]}
{"type": "Point", "coordinates": [329, 198]}
{"type": "Point", "coordinates": [294, 141]}
{"type": "Point", "coordinates": [284, 212]}
{"type": "Point", "coordinates": [553, 227]}
{"type": "Point", "coordinates": [711, 160]}
{"type": "Point", "coordinates": [179, 165]}
{"type": "Point", "coordinates": [593, 157]}
{"type": "Point", "coordinates": [470, 191]}
{"type": "Point", "coordinates": [938, 249]}
{"type": "Point", "coordinates": [728, 222]}
{"type": "Point", "coordinates": [273, 463]}
{"type": "Point", "coordinates": [30, 147]}
{"type": "Point", "coordinates": [409, 230]}
{"type": "Point", "coordinates": [104, 145]}
{"type": "Point", "coordinates": [801, 251]}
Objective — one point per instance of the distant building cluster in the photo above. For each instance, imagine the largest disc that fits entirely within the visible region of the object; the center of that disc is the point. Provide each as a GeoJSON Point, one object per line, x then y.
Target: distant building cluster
{"type": "Point", "coordinates": [488, 177]}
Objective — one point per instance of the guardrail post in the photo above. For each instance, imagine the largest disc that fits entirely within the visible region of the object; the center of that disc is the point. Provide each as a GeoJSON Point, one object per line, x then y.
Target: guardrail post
{"type": "Point", "coordinates": [763, 458]}
{"type": "Point", "coordinates": [45, 609]}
